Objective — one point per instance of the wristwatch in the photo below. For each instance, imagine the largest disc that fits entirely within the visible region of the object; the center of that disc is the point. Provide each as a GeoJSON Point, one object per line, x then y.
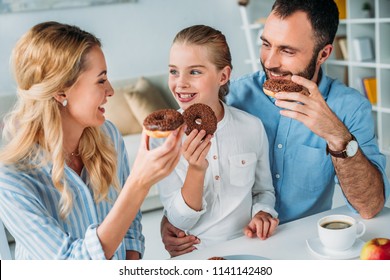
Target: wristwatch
{"type": "Point", "coordinates": [349, 151]}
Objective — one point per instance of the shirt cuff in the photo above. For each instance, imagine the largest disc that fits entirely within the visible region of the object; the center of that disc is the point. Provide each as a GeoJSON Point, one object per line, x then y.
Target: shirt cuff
{"type": "Point", "coordinates": [182, 216]}
{"type": "Point", "coordinates": [135, 245]}
{"type": "Point", "coordinates": [259, 207]}
{"type": "Point", "coordinates": [186, 211]}
{"type": "Point", "coordinates": [92, 243]}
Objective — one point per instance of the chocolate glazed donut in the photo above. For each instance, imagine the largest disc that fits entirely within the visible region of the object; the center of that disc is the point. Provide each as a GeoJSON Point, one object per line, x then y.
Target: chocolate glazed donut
{"type": "Point", "coordinates": [272, 86]}
{"type": "Point", "coordinates": [161, 122]}
{"type": "Point", "coordinates": [201, 117]}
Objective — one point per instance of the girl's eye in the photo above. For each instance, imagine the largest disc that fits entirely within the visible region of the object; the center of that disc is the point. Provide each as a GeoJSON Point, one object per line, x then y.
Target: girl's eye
{"type": "Point", "coordinates": [173, 72]}
{"type": "Point", "coordinates": [195, 72]}
{"type": "Point", "coordinates": [102, 81]}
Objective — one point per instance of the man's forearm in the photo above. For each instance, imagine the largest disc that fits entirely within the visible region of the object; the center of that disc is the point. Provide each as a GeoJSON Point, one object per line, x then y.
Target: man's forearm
{"type": "Point", "coordinates": [362, 184]}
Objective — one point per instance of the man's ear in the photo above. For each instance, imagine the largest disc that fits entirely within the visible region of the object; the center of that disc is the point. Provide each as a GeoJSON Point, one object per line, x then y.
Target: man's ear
{"type": "Point", "coordinates": [324, 54]}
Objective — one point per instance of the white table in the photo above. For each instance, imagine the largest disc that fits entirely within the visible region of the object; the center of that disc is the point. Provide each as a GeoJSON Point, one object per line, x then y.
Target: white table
{"type": "Point", "coordinates": [289, 240]}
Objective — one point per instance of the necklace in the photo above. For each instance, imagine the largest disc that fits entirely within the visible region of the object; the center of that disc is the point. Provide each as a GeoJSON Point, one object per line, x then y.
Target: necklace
{"type": "Point", "coordinates": [74, 161]}
{"type": "Point", "coordinates": [74, 154]}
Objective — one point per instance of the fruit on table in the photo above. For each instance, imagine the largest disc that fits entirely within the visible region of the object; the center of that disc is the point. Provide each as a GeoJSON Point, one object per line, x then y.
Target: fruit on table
{"type": "Point", "coordinates": [376, 249]}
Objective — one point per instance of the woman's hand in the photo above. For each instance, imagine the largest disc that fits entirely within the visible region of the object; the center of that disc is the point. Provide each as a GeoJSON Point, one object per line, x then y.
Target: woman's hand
{"type": "Point", "coordinates": [262, 225]}
{"type": "Point", "coordinates": [150, 166]}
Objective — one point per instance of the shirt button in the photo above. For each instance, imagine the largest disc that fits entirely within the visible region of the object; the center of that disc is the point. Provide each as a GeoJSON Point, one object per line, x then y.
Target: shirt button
{"type": "Point", "coordinates": [214, 157]}
{"type": "Point", "coordinates": [277, 176]}
{"type": "Point", "coordinates": [280, 146]}
{"type": "Point", "coordinates": [217, 177]}
{"type": "Point", "coordinates": [243, 162]}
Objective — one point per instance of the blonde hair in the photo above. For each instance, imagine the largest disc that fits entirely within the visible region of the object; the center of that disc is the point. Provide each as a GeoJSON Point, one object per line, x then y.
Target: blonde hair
{"type": "Point", "coordinates": [48, 59]}
{"type": "Point", "coordinates": [215, 41]}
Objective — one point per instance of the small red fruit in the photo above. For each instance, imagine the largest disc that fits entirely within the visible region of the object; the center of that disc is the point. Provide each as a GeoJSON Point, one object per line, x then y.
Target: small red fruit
{"type": "Point", "coordinates": [376, 249]}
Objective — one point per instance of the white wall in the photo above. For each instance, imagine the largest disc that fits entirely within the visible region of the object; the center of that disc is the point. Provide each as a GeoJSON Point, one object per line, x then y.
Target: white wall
{"type": "Point", "coordinates": [136, 37]}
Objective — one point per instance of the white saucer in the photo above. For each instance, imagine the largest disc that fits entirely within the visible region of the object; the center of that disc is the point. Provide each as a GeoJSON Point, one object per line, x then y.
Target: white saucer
{"type": "Point", "coordinates": [315, 246]}
{"type": "Point", "coordinates": [244, 257]}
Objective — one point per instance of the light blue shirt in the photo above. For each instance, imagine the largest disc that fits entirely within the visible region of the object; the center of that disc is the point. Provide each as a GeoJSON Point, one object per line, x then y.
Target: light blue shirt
{"type": "Point", "coordinates": [29, 209]}
{"type": "Point", "coordinates": [303, 174]}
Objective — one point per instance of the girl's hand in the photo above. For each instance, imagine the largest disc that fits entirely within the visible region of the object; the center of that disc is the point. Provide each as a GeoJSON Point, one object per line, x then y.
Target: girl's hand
{"type": "Point", "coordinates": [195, 149]}
{"type": "Point", "coordinates": [262, 225]}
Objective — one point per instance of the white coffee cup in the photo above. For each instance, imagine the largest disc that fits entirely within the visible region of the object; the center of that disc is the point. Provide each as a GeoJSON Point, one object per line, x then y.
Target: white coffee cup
{"type": "Point", "coordinates": [339, 232]}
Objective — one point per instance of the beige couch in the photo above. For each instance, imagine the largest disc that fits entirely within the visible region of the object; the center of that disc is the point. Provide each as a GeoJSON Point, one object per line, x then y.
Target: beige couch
{"type": "Point", "coordinates": [133, 100]}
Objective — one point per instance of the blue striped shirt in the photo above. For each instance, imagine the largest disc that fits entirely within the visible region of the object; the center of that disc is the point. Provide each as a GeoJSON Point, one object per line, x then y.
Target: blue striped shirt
{"type": "Point", "coordinates": [29, 209]}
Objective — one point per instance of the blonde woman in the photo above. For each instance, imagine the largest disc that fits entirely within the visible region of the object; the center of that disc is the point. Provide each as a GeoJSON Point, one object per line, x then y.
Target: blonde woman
{"type": "Point", "coordinates": [65, 188]}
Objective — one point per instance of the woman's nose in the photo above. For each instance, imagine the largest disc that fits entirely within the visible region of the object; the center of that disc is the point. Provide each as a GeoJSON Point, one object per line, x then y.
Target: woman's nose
{"type": "Point", "coordinates": [109, 89]}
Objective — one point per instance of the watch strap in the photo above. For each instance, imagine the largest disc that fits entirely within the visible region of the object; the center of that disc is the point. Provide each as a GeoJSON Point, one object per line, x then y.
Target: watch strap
{"type": "Point", "coordinates": [339, 154]}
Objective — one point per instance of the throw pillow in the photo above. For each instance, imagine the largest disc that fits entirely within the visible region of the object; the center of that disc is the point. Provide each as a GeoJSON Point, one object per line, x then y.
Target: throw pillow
{"type": "Point", "coordinates": [144, 98]}
{"type": "Point", "coordinates": [120, 113]}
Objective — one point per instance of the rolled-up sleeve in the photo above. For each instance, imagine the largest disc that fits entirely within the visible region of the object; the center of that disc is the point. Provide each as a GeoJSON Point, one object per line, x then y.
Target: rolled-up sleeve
{"type": "Point", "coordinates": [40, 236]}
{"type": "Point", "coordinates": [177, 211]}
{"type": "Point", "coordinates": [134, 239]}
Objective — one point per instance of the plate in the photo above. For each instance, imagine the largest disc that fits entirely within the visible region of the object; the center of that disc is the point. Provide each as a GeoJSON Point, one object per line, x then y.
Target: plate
{"type": "Point", "coordinates": [244, 257]}
{"type": "Point", "coordinates": [315, 246]}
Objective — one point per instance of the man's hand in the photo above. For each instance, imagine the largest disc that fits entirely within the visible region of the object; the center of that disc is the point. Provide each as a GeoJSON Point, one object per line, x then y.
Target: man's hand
{"type": "Point", "coordinates": [314, 113]}
{"type": "Point", "coordinates": [360, 180]}
{"type": "Point", "coordinates": [262, 225]}
{"type": "Point", "coordinates": [175, 240]}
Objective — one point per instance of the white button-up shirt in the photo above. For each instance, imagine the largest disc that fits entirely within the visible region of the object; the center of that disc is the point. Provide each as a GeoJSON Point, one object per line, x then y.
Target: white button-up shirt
{"type": "Point", "coordinates": [237, 185]}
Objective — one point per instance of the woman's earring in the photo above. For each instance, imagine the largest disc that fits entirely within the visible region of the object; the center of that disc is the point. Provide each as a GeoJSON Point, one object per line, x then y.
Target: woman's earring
{"type": "Point", "coordinates": [65, 102]}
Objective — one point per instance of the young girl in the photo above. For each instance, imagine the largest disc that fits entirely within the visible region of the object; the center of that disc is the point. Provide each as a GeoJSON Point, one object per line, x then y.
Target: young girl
{"type": "Point", "coordinates": [65, 188]}
{"type": "Point", "coordinates": [222, 185]}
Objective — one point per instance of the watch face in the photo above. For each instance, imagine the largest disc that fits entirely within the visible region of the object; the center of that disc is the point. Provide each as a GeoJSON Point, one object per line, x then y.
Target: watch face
{"type": "Point", "coordinates": [352, 148]}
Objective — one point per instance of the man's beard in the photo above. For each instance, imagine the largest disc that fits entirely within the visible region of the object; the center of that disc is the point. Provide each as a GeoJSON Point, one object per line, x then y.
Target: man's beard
{"type": "Point", "coordinates": [307, 73]}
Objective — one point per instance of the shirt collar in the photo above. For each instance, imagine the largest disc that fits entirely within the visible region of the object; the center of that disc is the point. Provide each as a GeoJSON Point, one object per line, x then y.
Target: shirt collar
{"type": "Point", "coordinates": [324, 84]}
{"type": "Point", "coordinates": [226, 116]}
